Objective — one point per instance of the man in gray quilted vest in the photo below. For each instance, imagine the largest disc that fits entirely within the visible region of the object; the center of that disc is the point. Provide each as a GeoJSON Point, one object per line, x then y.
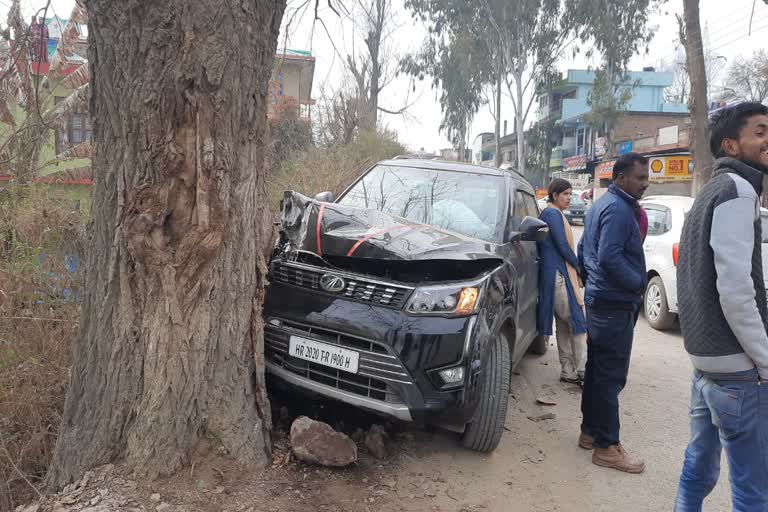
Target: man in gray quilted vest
{"type": "Point", "coordinates": [722, 306]}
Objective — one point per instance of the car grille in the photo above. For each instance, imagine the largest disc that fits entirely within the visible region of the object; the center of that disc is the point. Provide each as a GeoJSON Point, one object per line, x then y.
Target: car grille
{"type": "Point", "coordinates": [377, 370]}
{"type": "Point", "coordinates": [356, 288]}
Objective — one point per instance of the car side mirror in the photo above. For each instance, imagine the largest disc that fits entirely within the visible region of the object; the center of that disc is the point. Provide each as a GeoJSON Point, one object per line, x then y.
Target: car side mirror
{"type": "Point", "coordinates": [531, 230]}
{"type": "Point", "coordinates": [325, 197]}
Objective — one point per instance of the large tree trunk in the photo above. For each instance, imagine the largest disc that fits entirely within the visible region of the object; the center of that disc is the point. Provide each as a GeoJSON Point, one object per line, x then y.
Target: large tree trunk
{"type": "Point", "coordinates": [171, 318]}
{"type": "Point", "coordinates": [699, 140]}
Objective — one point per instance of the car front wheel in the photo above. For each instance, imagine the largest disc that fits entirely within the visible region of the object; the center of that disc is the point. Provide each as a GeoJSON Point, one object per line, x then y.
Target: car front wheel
{"type": "Point", "coordinates": [484, 432]}
{"type": "Point", "coordinates": [656, 307]}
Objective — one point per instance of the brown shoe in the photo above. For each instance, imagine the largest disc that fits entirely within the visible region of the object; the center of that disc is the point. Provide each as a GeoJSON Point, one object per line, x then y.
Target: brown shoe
{"type": "Point", "coordinates": [586, 441]}
{"type": "Point", "coordinates": [615, 457]}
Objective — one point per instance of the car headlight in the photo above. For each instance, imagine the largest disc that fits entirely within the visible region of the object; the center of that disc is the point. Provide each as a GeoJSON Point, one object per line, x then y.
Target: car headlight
{"type": "Point", "coordinates": [567, 212]}
{"type": "Point", "coordinates": [442, 300]}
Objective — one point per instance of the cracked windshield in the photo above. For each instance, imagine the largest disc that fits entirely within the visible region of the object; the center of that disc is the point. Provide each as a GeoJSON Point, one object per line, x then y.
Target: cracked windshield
{"type": "Point", "coordinates": [469, 204]}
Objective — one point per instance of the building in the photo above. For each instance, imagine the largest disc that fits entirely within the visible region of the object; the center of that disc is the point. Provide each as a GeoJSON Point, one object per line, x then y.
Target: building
{"type": "Point", "coordinates": [292, 81]}
{"type": "Point", "coordinates": [484, 149]}
{"type": "Point", "coordinates": [454, 155]}
{"type": "Point", "coordinates": [577, 142]}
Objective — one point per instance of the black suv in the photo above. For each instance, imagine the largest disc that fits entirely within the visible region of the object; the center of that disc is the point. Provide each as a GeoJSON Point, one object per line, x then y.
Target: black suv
{"type": "Point", "coordinates": [413, 295]}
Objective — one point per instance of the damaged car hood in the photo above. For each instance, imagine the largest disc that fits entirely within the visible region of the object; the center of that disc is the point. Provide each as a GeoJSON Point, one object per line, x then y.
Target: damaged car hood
{"type": "Point", "coordinates": [337, 230]}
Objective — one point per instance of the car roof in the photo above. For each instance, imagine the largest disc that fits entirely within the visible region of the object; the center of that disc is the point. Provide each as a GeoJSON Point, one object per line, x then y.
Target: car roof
{"type": "Point", "coordinates": [444, 165]}
{"type": "Point", "coordinates": [680, 200]}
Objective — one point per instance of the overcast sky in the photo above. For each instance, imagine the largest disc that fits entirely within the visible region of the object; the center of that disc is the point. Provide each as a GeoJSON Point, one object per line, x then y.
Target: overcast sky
{"type": "Point", "coordinates": [726, 23]}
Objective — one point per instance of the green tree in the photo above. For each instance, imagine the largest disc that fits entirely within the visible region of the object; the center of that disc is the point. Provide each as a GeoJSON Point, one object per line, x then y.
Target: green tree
{"type": "Point", "coordinates": [533, 34]}
{"type": "Point", "coordinates": [616, 31]}
{"type": "Point", "coordinates": [461, 54]}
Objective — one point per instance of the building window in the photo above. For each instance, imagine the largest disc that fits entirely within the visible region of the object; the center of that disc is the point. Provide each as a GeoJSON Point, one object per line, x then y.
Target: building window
{"type": "Point", "coordinates": [79, 128]}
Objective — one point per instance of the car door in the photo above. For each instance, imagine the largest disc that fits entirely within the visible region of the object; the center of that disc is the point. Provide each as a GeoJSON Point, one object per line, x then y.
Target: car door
{"type": "Point", "coordinates": [658, 246]}
{"type": "Point", "coordinates": [527, 267]}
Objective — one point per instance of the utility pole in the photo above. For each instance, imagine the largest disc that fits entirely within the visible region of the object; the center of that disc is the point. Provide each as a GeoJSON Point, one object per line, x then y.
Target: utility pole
{"type": "Point", "coordinates": [690, 36]}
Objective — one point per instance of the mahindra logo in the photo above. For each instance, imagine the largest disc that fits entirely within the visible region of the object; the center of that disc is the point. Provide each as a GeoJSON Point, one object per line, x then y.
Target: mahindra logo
{"type": "Point", "coordinates": [332, 283]}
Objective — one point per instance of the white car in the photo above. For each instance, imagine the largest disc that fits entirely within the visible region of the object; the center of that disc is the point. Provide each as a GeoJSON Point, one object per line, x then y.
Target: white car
{"type": "Point", "coordinates": [666, 215]}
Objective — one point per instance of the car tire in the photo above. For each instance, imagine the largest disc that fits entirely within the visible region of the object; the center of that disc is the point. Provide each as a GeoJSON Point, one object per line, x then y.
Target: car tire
{"type": "Point", "coordinates": [656, 307]}
{"type": "Point", "coordinates": [539, 346]}
{"type": "Point", "coordinates": [483, 433]}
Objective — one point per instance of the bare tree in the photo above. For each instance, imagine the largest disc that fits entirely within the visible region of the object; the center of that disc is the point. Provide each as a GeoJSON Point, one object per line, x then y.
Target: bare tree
{"type": "Point", "coordinates": [690, 35]}
{"type": "Point", "coordinates": [679, 91]}
{"type": "Point", "coordinates": [748, 78]}
{"type": "Point", "coordinates": [26, 88]}
{"type": "Point", "coordinates": [171, 317]}
{"type": "Point", "coordinates": [374, 68]}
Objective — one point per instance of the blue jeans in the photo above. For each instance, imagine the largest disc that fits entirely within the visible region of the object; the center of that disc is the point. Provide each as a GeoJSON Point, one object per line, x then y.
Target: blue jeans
{"type": "Point", "coordinates": [609, 347]}
{"type": "Point", "coordinates": [731, 412]}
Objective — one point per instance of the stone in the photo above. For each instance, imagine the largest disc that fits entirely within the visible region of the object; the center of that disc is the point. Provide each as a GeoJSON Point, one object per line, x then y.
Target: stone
{"type": "Point", "coordinates": [316, 442]}
{"type": "Point", "coordinates": [154, 498]}
{"type": "Point", "coordinates": [376, 442]}
{"type": "Point", "coordinates": [163, 507]}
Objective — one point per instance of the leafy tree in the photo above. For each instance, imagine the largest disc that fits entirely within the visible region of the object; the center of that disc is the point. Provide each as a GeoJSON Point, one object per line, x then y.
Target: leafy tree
{"type": "Point", "coordinates": [461, 54]}
{"type": "Point", "coordinates": [616, 31]}
{"type": "Point", "coordinates": [533, 34]}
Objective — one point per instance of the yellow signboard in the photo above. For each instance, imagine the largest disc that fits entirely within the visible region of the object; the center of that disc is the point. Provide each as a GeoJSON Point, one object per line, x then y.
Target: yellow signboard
{"type": "Point", "coordinates": [670, 167]}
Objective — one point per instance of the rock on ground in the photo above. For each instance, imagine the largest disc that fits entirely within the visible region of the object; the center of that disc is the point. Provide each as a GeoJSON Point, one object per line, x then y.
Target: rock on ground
{"type": "Point", "coordinates": [376, 442]}
{"type": "Point", "coordinates": [317, 443]}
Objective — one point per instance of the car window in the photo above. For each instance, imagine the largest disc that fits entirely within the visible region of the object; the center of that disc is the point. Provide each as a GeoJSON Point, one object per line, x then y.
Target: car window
{"type": "Point", "coordinates": [468, 203]}
{"type": "Point", "coordinates": [518, 210]}
{"type": "Point", "coordinates": [531, 208]}
{"type": "Point", "coordinates": [659, 219]}
{"type": "Point", "coordinates": [764, 226]}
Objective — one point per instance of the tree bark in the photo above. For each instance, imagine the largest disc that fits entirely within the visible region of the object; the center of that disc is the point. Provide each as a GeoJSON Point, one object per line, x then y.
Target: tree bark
{"type": "Point", "coordinates": [171, 319]}
{"type": "Point", "coordinates": [694, 52]}
{"type": "Point", "coordinates": [520, 122]}
{"type": "Point", "coordinates": [497, 99]}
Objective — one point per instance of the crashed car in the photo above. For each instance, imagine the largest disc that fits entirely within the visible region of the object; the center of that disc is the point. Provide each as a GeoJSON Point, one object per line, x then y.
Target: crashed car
{"type": "Point", "coordinates": [412, 295]}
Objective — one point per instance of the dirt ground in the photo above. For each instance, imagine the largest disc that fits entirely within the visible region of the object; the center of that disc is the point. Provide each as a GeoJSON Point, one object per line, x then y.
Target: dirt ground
{"type": "Point", "coordinates": [537, 467]}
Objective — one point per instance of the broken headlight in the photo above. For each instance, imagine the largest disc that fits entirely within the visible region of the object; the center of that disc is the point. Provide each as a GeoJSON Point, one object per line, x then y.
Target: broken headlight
{"type": "Point", "coordinates": [444, 300]}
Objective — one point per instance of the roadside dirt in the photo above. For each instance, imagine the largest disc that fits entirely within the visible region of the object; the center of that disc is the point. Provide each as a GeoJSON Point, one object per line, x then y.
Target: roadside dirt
{"type": "Point", "coordinates": [538, 466]}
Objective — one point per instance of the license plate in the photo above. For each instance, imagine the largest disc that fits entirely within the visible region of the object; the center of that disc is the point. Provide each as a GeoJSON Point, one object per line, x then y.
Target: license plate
{"type": "Point", "coordinates": [324, 354]}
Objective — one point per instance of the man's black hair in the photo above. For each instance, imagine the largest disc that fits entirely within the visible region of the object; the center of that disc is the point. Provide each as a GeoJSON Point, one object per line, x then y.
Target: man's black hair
{"type": "Point", "coordinates": [727, 124]}
{"type": "Point", "coordinates": [625, 163]}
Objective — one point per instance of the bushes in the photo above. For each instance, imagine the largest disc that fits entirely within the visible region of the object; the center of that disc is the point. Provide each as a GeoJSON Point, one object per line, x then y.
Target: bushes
{"type": "Point", "coordinates": [40, 247]}
{"type": "Point", "coordinates": [333, 168]}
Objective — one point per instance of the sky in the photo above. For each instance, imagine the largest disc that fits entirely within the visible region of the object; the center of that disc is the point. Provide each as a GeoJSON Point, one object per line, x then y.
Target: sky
{"type": "Point", "coordinates": [725, 23]}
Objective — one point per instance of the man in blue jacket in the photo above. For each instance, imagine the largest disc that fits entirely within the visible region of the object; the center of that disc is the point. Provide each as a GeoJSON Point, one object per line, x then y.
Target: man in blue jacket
{"type": "Point", "coordinates": [613, 267]}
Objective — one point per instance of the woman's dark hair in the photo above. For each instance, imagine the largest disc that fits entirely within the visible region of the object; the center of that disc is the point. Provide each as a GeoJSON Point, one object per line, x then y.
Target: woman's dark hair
{"type": "Point", "coordinates": [727, 124]}
{"type": "Point", "coordinates": [558, 186]}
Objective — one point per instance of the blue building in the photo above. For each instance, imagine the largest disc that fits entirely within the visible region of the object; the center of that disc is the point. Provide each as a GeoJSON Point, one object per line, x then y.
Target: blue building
{"type": "Point", "coordinates": [568, 102]}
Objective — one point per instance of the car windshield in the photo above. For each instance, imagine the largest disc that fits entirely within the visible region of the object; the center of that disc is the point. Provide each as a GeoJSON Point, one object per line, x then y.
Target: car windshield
{"type": "Point", "coordinates": [467, 203]}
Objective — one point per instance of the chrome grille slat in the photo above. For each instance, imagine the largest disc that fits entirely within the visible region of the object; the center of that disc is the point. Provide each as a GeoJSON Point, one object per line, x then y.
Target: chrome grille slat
{"type": "Point", "coordinates": [357, 288]}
